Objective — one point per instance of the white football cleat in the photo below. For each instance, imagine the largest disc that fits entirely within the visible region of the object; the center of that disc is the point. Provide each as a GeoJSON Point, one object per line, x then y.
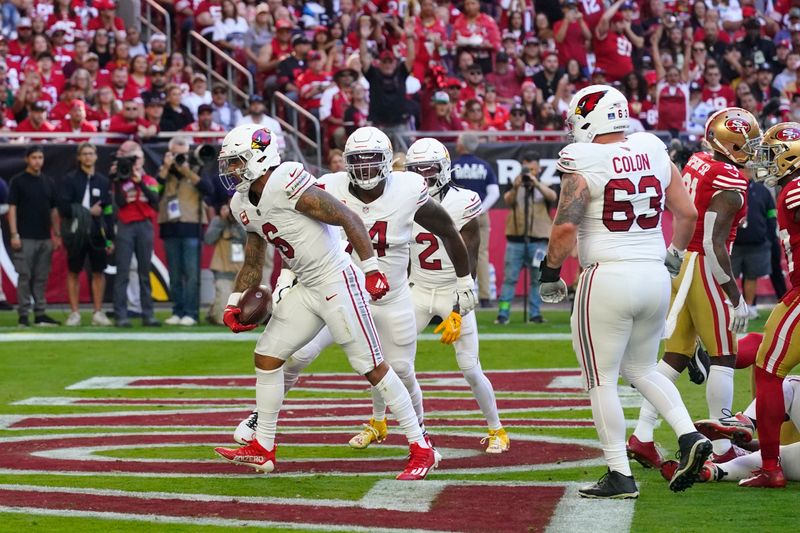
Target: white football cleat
{"type": "Point", "coordinates": [245, 432]}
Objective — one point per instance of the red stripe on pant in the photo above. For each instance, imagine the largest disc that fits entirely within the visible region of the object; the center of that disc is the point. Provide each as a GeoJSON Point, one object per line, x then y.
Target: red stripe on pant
{"type": "Point", "coordinates": [360, 322]}
{"type": "Point", "coordinates": [775, 338]}
{"type": "Point", "coordinates": [589, 327]}
{"type": "Point", "coordinates": [786, 338]}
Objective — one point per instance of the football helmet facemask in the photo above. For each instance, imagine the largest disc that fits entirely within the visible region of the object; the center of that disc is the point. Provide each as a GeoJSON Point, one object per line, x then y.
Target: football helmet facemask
{"type": "Point", "coordinates": [430, 159]}
{"type": "Point", "coordinates": [778, 154]}
{"type": "Point", "coordinates": [247, 152]}
{"type": "Point", "coordinates": [368, 157]}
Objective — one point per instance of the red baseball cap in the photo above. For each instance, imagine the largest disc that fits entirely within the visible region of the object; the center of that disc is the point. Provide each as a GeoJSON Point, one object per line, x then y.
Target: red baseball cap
{"type": "Point", "coordinates": [386, 54]}
{"type": "Point", "coordinates": [618, 17]}
{"type": "Point", "coordinates": [78, 103]}
{"type": "Point", "coordinates": [283, 24]}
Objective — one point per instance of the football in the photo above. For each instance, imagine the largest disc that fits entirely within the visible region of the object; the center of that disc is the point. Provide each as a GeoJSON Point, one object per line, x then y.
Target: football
{"type": "Point", "coordinates": [256, 305]}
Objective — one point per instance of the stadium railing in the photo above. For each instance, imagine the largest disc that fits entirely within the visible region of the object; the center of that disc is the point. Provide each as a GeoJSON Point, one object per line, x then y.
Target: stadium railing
{"type": "Point", "coordinates": [146, 18]}
{"type": "Point", "coordinates": [283, 106]}
{"type": "Point", "coordinates": [232, 68]}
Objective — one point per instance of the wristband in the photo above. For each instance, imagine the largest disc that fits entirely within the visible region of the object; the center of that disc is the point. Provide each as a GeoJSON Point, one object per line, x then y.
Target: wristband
{"type": "Point", "coordinates": [370, 264]}
{"type": "Point", "coordinates": [15, 235]}
{"type": "Point", "coordinates": [233, 299]}
{"type": "Point", "coordinates": [548, 274]}
{"type": "Point", "coordinates": [109, 244]}
{"type": "Point", "coordinates": [673, 248]}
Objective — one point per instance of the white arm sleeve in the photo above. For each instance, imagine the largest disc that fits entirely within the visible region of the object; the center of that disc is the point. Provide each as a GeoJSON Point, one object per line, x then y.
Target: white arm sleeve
{"type": "Point", "coordinates": [492, 194]}
{"type": "Point", "coordinates": [708, 247]}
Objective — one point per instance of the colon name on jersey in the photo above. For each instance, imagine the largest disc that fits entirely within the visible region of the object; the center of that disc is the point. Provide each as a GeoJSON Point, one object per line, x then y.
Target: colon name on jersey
{"type": "Point", "coordinates": [388, 219]}
{"type": "Point", "coordinates": [311, 249]}
{"type": "Point", "coordinates": [704, 178]}
{"type": "Point", "coordinates": [431, 267]}
{"type": "Point", "coordinates": [626, 183]}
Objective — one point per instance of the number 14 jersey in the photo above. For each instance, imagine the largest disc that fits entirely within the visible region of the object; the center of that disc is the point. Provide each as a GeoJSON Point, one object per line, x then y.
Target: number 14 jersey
{"type": "Point", "coordinates": [626, 181]}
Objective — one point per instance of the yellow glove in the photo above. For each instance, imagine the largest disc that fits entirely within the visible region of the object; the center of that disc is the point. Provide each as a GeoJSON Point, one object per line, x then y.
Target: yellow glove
{"type": "Point", "coordinates": [450, 328]}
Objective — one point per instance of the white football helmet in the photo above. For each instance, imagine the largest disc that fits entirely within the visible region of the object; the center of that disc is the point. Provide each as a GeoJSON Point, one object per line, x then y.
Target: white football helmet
{"type": "Point", "coordinates": [247, 152]}
{"type": "Point", "coordinates": [368, 157]}
{"type": "Point", "coordinates": [430, 159]}
{"type": "Point", "coordinates": [595, 110]}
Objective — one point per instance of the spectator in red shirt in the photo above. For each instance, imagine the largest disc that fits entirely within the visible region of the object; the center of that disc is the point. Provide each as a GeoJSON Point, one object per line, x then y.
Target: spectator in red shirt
{"type": "Point", "coordinates": [123, 90]}
{"type": "Point", "coordinates": [76, 122]}
{"type": "Point", "coordinates": [100, 77]}
{"type": "Point", "coordinates": [205, 123]}
{"type": "Point", "coordinates": [442, 118]}
{"type": "Point", "coordinates": [21, 46]}
{"type": "Point", "coordinates": [153, 111]}
{"type": "Point", "coordinates": [614, 42]}
{"type": "Point", "coordinates": [477, 32]}
{"type": "Point", "coordinates": [313, 82]}
{"type": "Point", "coordinates": [120, 57]}
{"type": "Point", "coordinates": [130, 122]}
{"type": "Point", "coordinates": [65, 15]}
{"type": "Point", "coordinates": [505, 79]}
{"type": "Point", "coordinates": [476, 86]}
{"type": "Point", "coordinates": [715, 93]}
{"type": "Point", "coordinates": [64, 105]}
{"type": "Point", "coordinates": [431, 35]}
{"type": "Point", "coordinates": [36, 121]}
{"type": "Point", "coordinates": [209, 12]}
{"type": "Point", "coordinates": [105, 107]}
{"type": "Point", "coordinates": [107, 20]}
{"type": "Point", "coordinates": [473, 118]}
{"type": "Point", "coordinates": [62, 53]}
{"type": "Point", "coordinates": [138, 74]}
{"type": "Point", "coordinates": [494, 114]}
{"type": "Point", "coordinates": [571, 35]}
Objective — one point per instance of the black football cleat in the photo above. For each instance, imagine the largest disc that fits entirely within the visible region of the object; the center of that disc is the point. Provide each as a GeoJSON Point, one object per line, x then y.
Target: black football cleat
{"type": "Point", "coordinates": [698, 365]}
{"type": "Point", "coordinates": [612, 485]}
{"type": "Point", "coordinates": [694, 450]}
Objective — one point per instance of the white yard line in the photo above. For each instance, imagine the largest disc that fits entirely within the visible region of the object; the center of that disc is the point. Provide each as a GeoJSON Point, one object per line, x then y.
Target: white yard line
{"type": "Point", "coordinates": [576, 514]}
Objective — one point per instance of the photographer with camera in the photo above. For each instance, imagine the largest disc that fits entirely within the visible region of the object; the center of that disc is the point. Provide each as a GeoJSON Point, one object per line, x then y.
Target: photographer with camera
{"type": "Point", "coordinates": [527, 233]}
{"type": "Point", "coordinates": [136, 198]}
{"type": "Point", "coordinates": [181, 214]}
{"type": "Point", "coordinates": [87, 228]}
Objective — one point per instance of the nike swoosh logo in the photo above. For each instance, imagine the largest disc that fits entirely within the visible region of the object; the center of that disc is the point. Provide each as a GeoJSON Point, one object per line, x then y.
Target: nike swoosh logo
{"type": "Point", "coordinates": [329, 298]}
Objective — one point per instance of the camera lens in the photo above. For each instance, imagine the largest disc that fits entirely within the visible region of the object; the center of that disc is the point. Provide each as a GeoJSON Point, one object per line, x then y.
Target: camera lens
{"type": "Point", "coordinates": [180, 159]}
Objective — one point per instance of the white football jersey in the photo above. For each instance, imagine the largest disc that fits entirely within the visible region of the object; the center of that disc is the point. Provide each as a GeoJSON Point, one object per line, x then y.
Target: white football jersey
{"type": "Point", "coordinates": [311, 249]}
{"type": "Point", "coordinates": [627, 182]}
{"type": "Point", "coordinates": [389, 221]}
{"type": "Point", "coordinates": [431, 267]}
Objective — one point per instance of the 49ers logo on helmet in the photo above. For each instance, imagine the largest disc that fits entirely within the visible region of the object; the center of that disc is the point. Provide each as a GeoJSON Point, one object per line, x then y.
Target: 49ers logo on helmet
{"type": "Point", "coordinates": [788, 134]}
{"type": "Point", "coordinates": [738, 125]}
{"type": "Point", "coordinates": [587, 104]}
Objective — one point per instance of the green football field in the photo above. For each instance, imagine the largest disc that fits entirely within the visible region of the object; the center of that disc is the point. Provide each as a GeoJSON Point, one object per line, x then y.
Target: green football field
{"type": "Point", "coordinates": [109, 431]}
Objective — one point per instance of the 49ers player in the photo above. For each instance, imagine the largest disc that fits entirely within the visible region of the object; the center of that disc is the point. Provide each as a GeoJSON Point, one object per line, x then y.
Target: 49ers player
{"type": "Point", "coordinates": [778, 163]}
{"type": "Point", "coordinates": [433, 277]}
{"type": "Point", "coordinates": [613, 192]}
{"type": "Point", "coordinates": [278, 203]}
{"type": "Point", "coordinates": [389, 203]}
{"type": "Point", "coordinates": [706, 301]}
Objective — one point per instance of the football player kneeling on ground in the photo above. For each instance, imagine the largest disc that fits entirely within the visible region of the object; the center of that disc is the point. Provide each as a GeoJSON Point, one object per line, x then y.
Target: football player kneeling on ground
{"type": "Point", "coordinates": [278, 202]}
{"type": "Point", "coordinates": [612, 197]}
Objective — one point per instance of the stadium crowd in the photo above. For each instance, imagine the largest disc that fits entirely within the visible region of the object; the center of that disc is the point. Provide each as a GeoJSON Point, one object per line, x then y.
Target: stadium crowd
{"type": "Point", "coordinates": [76, 67]}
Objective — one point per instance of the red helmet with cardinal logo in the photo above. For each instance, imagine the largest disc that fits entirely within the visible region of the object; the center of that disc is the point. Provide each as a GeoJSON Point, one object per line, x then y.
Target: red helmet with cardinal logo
{"type": "Point", "coordinates": [595, 110]}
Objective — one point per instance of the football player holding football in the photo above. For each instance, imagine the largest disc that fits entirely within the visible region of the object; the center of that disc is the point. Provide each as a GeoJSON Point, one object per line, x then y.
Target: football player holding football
{"type": "Point", "coordinates": [278, 203]}
{"type": "Point", "coordinates": [389, 202]}
{"type": "Point", "coordinates": [433, 277]}
{"type": "Point", "coordinates": [612, 197]}
{"type": "Point", "coordinates": [706, 301]}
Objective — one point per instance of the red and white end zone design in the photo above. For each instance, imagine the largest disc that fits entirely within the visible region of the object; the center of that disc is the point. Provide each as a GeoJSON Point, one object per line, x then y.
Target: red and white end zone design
{"type": "Point", "coordinates": [437, 504]}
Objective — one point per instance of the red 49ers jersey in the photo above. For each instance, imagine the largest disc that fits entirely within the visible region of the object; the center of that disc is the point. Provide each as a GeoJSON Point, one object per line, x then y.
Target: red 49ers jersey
{"type": "Point", "coordinates": [704, 177]}
{"type": "Point", "coordinates": [788, 204]}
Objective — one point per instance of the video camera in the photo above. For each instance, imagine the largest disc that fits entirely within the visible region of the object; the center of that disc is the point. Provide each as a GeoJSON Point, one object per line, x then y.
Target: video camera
{"type": "Point", "coordinates": [124, 170]}
{"type": "Point", "coordinates": [526, 176]}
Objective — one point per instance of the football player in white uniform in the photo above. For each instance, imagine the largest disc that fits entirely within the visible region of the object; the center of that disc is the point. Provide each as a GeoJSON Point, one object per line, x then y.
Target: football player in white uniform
{"type": "Point", "coordinates": [389, 202]}
{"type": "Point", "coordinates": [612, 197]}
{"type": "Point", "coordinates": [433, 276]}
{"type": "Point", "coordinates": [278, 203]}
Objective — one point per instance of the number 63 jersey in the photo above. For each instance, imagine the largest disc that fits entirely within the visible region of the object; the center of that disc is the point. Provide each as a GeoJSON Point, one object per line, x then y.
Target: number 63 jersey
{"type": "Point", "coordinates": [626, 181]}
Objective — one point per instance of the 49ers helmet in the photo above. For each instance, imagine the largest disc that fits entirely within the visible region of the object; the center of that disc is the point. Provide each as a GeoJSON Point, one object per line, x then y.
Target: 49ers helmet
{"type": "Point", "coordinates": [734, 132]}
{"type": "Point", "coordinates": [430, 159]}
{"type": "Point", "coordinates": [778, 155]}
{"type": "Point", "coordinates": [247, 152]}
{"type": "Point", "coordinates": [595, 110]}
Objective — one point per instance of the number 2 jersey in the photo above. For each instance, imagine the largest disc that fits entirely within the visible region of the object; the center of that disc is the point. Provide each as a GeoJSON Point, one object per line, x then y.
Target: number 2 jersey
{"type": "Point", "coordinates": [788, 204]}
{"type": "Point", "coordinates": [626, 181]}
{"type": "Point", "coordinates": [431, 267]}
{"type": "Point", "coordinates": [704, 177]}
{"type": "Point", "coordinates": [311, 249]}
{"type": "Point", "coordinates": [389, 221]}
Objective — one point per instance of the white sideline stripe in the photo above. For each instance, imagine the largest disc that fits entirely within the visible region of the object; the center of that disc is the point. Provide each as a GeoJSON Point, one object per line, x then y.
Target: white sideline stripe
{"type": "Point", "coordinates": [574, 513]}
{"type": "Point", "coordinates": [7, 421]}
{"type": "Point", "coordinates": [228, 337]}
{"type": "Point", "coordinates": [195, 521]}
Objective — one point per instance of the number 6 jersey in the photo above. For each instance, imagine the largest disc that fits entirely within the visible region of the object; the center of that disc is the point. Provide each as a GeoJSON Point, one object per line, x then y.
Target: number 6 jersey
{"type": "Point", "coordinates": [626, 183]}
{"type": "Point", "coordinates": [431, 267]}
{"type": "Point", "coordinates": [311, 249]}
